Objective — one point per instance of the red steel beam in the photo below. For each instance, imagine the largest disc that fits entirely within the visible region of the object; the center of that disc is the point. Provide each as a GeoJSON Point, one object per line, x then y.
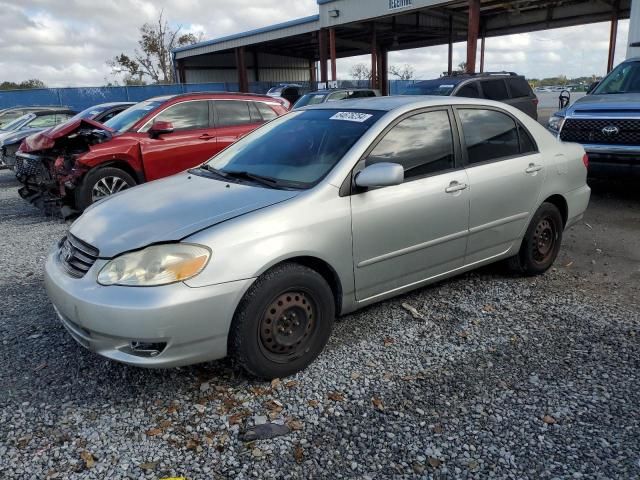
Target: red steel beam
{"type": "Point", "coordinates": [613, 34]}
{"type": "Point", "coordinates": [243, 81]}
{"type": "Point", "coordinates": [472, 34]}
{"type": "Point", "coordinates": [322, 47]}
{"type": "Point", "coordinates": [374, 58]}
{"type": "Point", "coordinates": [450, 57]}
{"type": "Point", "coordinates": [332, 53]}
{"type": "Point", "coordinates": [384, 71]}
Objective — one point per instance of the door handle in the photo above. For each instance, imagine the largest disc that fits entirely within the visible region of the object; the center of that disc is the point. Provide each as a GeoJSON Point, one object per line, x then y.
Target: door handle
{"type": "Point", "coordinates": [206, 136]}
{"type": "Point", "coordinates": [533, 168]}
{"type": "Point", "coordinates": [455, 187]}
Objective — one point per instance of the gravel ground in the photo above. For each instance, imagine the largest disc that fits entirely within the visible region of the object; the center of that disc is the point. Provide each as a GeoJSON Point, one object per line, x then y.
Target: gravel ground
{"type": "Point", "coordinates": [495, 377]}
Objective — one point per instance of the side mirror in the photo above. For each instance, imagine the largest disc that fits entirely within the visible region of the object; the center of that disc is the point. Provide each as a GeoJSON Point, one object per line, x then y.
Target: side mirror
{"type": "Point", "coordinates": [592, 87]}
{"type": "Point", "coordinates": [160, 127]}
{"type": "Point", "coordinates": [382, 174]}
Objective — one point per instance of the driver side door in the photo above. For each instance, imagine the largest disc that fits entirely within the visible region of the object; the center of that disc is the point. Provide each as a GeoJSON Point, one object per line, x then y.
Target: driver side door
{"type": "Point", "coordinates": [192, 141]}
{"type": "Point", "coordinates": [406, 234]}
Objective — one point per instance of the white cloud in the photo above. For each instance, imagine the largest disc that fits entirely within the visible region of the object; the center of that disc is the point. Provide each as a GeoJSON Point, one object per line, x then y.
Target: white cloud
{"type": "Point", "coordinates": [68, 43]}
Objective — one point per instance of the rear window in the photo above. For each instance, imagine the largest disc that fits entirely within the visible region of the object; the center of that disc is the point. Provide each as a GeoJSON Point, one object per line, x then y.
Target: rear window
{"type": "Point", "coordinates": [232, 112]}
{"type": "Point", "coordinates": [470, 90]}
{"type": "Point", "coordinates": [495, 90]}
{"type": "Point", "coordinates": [266, 111]}
{"type": "Point", "coordinates": [432, 87]}
{"type": "Point", "coordinates": [519, 87]}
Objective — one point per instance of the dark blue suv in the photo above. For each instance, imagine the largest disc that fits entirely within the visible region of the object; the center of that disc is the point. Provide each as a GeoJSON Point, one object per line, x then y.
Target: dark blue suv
{"type": "Point", "coordinates": [606, 122]}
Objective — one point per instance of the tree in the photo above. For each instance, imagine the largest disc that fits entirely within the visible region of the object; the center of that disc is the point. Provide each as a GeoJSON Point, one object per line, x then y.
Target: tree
{"type": "Point", "coordinates": [24, 85]}
{"type": "Point", "coordinates": [462, 67]}
{"type": "Point", "coordinates": [405, 72]}
{"type": "Point", "coordinates": [360, 72]}
{"type": "Point", "coordinates": [152, 59]}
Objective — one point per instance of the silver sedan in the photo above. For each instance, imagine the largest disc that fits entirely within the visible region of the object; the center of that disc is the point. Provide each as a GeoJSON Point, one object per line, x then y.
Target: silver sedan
{"type": "Point", "coordinates": [316, 214]}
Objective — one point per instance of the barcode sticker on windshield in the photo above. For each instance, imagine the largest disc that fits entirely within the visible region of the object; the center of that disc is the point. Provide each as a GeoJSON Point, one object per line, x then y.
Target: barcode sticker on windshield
{"type": "Point", "coordinates": [352, 116]}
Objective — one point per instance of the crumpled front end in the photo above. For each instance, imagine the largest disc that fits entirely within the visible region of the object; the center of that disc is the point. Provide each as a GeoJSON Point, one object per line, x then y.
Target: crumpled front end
{"type": "Point", "coordinates": [51, 175]}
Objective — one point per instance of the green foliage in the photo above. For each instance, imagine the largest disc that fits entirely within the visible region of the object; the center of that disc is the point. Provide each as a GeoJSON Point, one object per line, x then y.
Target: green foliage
{"type": "Point", "coordinates": [24, 85]}
{"type": "Point", "coordinates": [152, 59]}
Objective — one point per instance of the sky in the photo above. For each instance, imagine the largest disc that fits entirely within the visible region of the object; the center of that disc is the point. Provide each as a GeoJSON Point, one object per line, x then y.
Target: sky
{"type": "Point", "coordinates": [68, 42]}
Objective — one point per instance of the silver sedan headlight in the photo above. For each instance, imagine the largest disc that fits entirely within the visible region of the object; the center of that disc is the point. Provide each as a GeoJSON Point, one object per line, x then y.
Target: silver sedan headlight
{"type": "Point", "coordinates": [556, 122]}
{"type": "Point", "coordinates": [155, 265]}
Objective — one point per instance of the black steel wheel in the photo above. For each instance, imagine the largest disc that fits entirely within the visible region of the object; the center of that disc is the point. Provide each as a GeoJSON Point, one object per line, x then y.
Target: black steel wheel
{"type": "Point", "coordinates": [541, 242]}
{"type": "Point", "coordinates": [283, 322]}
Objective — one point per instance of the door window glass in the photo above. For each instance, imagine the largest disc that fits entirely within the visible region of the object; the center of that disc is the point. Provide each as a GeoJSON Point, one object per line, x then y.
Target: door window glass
{"type": "Point", "coordinates": [186, 115]}
{"type": "Point", "coordinates": [232, 112]}
{"type": "Point", "coordinates": [527, 144]}
{"type": "Point", "coordinates": [422, 144]}
{"type": "Point", "coordinates": [255, 114]}
{"type": "Point", "coordinates": [470, 90]}
{"type": "Point", "coordinates": [488, 134]}
{"type": "Point", "coordinates": [495, 90]}
{"type": "Point", "coordinates": [519, 87]}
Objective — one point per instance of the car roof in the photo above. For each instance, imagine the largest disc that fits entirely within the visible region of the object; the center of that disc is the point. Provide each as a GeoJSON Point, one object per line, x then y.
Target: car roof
{"type": "Point", "coordinates": [222, 95]}
{"type": "Point", "coordinates": [401, 102]}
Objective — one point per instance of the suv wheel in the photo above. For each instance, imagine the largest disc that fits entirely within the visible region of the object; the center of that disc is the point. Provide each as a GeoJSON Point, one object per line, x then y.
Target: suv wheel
{"type": "Point", "coordinates": [101, 183]}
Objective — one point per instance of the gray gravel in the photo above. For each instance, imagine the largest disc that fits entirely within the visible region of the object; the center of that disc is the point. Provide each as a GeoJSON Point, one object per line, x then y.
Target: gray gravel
{"type": "Point", "coordinates": [504, 377]}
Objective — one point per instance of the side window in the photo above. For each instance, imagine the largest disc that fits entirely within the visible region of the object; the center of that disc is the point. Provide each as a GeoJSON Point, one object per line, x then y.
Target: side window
{"type": "Point", "coordinates": [495, 90]}
{"type": "Point", "coordinates": [110, 115]}
{"type": "Point", "coordinates": [488, 134]}
{"type": "Point", "coordinates": [470, 90]}
{"type": "Point", "coordinates": [255, 114]}
{"type": "Point", "coordinates": [232, 112]}
{"type": "Point", "coordinates": [337, 96]}
{"type": "Point", "coordinates": [42, 121]}
{"type": "Point", "coordinates": [527, 145]}
{"type": "Point", "coordinates": [519, 87]}
{"type": "Point", "coordinates": [186, 115]}
{"type": "Point", "coordinates": [361, 94]}
{"type": "Point", "coordinates": [422, 144]}
{"type": "Point", "coordinates": [266, 111]}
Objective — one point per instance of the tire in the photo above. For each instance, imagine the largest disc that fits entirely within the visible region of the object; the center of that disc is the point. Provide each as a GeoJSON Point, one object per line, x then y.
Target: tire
{"type": "Point", "coordinates": [541, 242]}
{"type": "Point", "coordinates": [299, 304]}
{"type": "Point", "coordinates": [108, 180]}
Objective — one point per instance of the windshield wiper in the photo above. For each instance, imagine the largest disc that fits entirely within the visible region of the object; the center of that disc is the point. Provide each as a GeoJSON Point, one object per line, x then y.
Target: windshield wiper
{"type": "Point", "coordinates": [267, 181]}
{"type": "Point", "coordinates": [215, 171]}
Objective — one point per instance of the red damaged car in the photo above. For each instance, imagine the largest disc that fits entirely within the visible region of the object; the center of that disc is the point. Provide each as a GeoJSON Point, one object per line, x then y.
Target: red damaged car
{"type": "Point", "coordinates": [77, 163]}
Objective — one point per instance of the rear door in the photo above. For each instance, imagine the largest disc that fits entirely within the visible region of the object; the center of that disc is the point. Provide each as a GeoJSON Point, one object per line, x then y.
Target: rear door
{"type": "Point", "coordinates": [522, 97]}
{"type": "Point", "coordinates": [505, 173]}
{"type": "Point", "coordinates": [191, 143]}
{"type": "Point", "coordinates": [495, 89]}
{"type": "Point", "coordinates": [407, 233]}
{"type": "Point", "coordinates": [234, 119]}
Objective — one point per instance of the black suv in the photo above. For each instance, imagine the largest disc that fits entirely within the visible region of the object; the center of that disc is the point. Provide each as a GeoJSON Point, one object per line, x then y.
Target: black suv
{"type": "Point", "coordinates": [507, 87]}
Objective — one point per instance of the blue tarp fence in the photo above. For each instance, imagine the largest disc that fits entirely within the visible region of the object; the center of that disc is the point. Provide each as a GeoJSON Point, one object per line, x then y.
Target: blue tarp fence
{"type": "Point", "coordinates": [83, 97]}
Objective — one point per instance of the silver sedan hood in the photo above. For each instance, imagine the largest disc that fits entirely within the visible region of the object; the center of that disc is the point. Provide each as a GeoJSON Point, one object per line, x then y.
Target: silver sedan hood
{"type": "Point", "coordinates": [168, 210]}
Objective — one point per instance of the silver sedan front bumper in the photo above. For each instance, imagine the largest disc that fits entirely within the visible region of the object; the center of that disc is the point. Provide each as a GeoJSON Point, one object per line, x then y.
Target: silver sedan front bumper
{"type": "Point", "coordinates": [180, 325]}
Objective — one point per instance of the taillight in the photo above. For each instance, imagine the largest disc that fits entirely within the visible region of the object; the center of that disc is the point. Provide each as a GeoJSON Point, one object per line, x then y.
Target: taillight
{"type": "Point", "coordinates": [536, 101]}
{"type": "Point", "coordinates": [585, 160]}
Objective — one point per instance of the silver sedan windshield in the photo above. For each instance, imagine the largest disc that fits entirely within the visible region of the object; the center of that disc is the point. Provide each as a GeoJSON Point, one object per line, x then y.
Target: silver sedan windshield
{"type": "Point", "coordinates": [297, 149]}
